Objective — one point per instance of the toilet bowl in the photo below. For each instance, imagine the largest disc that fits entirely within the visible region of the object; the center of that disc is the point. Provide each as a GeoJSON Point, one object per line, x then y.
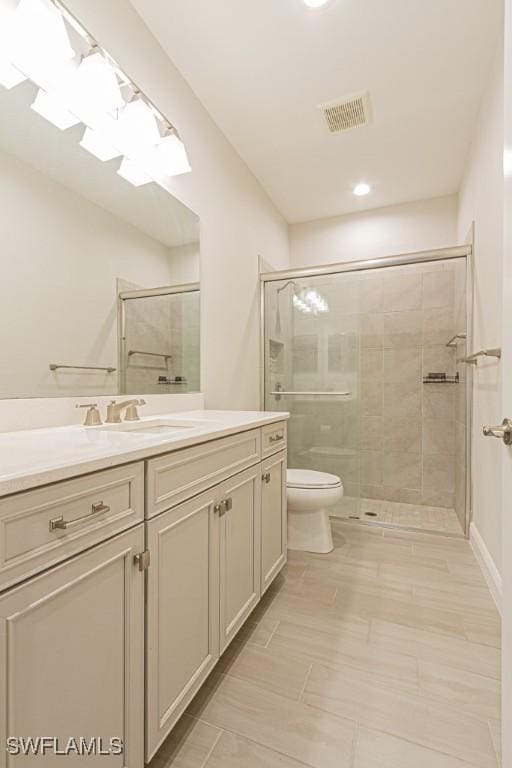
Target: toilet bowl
{"type": "Point", "coordinates": [310, 494]}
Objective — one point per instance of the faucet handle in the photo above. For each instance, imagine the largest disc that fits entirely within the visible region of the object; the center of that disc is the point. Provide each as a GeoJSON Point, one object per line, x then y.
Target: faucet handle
{"type": "Point", "coordinates": [132, 413]}
{"type": "Point", "coordinates": [92, 417]}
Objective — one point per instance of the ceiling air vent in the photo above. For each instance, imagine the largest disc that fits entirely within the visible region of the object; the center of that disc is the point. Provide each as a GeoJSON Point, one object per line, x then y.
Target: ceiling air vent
{"type": "Point", "coordinates": [350, 112]}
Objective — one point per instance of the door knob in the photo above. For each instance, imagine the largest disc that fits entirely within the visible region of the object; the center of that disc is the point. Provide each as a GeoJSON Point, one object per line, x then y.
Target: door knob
{"type": "Point", "coordinates": [504, 431]}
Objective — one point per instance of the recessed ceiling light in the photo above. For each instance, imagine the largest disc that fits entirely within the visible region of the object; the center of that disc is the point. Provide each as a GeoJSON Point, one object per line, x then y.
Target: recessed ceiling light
{"type": "Point", "coordinates": [315, 3]}
{"type": "Point", "coordinates": [361, 189]}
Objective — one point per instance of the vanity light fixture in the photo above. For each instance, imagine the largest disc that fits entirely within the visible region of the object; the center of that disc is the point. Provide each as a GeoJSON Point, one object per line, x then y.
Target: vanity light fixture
{"type": "Point", "coordinates": [93, 90]}
{"type": "Point", "coordinates": [9, 75]}
{"type": "Point", "coordinates": [87, 86]}
{"type": "Point", "coordinates": [171, 155]}
{"type": "Point", "coordinates": [38, 39]}
{"type": "Point", "coordinates": [310, 302]}
{"type": "Point", "coordinates": [133, 173]}
{"type": "Point", "coordinates": [136, 129]}
{"type": "Point", "coordinates": [360, 190]}
{"type": "Point", "coordinates": [94, 143]}
{"type": "Point", "coordinates": [315, 3]}
{"type": "Point", "coordinates": [51, 108]}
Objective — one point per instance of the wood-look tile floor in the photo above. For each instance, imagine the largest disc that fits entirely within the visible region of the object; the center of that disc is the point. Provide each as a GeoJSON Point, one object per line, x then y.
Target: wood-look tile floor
{"type": "Point", "coordinates": [383, 654]}
{"type": "Point", "coordinates": [393, 513]}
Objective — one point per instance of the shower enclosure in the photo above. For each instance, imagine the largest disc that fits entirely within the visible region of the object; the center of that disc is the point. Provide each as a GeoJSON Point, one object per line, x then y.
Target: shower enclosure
{"type": "Point", "coordinates": [365, 356]}
{"type": "Point", "coordinates": [159, 340]}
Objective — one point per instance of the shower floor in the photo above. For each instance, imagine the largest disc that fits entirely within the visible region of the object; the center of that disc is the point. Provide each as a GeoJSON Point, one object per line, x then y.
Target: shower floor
{"type": "Point", "coordinates": [392, 513]}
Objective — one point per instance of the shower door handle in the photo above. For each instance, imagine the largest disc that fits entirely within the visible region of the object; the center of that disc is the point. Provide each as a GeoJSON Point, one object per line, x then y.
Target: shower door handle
{"type": "Point", "coordinates": [504, 432]}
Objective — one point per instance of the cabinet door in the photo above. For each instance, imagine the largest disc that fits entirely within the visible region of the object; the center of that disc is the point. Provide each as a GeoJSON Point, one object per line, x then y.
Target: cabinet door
{"type": "Point", "coordinates": [273, 518]}
{"type": "Point", "coordinates": [72, 655]}
{"type": "Point", "coordinates": [182, 613]}
{"type": "Point", "coordinates": [239, 551]}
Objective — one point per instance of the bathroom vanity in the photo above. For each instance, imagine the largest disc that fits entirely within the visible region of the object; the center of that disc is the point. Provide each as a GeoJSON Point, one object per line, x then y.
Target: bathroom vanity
{"type": "Point", "coordinates": [130, 558]}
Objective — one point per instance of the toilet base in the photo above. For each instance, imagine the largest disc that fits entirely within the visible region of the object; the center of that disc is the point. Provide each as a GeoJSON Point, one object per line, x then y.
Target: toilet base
{"type": "Point", "coordinates": [310, 531]}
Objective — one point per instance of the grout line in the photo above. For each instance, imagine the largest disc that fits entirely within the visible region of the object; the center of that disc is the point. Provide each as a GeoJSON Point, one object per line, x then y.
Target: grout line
{"type": "Point", "coordinates": [355, 744]}
{"type": "Point", "coordinates": [495, 747]}
{"type": "Point", "coordinates": [241, 735]}
{"type": "Point", "coordinates": [308, 673]}
{"type": "Point", "coordinates": [272, 634]}
{"type": "Point", "coordinates": [210, 751]}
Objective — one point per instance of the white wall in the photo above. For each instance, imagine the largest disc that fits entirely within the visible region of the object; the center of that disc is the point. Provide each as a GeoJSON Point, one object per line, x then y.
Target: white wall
{"type": "Point", "coordinates": [416, 226]}
{"type": "Point", "coordinates": [238, 220]}
{"type": "Point", "coordinates": [481, 201]}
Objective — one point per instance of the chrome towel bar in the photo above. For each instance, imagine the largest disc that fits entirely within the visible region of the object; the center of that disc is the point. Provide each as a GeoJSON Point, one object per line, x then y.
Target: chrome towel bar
{"type": "Point", "coordinates": [472, 359]}
{"type": "Point", "coordinates": [152, 354]}
{"type": "Point", "coordinates": [108, 369]}
{"type": "Point", "coordinates": [310, 394]}
{"type": "Point", "coordinates": [453, 340]}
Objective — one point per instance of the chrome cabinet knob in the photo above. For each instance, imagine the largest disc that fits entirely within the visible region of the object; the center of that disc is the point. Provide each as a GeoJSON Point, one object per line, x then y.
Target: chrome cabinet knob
{"type": "Point", "coordinates": [504, 431]}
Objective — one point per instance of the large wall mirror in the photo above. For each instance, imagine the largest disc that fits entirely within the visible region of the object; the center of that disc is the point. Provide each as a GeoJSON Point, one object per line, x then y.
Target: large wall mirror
{"type": "Point", "coordinates": [99, 271]}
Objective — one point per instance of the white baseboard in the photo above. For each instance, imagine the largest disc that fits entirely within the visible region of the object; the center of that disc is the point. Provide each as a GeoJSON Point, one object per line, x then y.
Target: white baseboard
{"type": "Point", "coordinates": [487, 564]}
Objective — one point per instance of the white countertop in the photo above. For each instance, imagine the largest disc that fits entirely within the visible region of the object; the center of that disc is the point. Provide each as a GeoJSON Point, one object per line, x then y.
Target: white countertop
{"type": "Point", "coordinates": [32, 458]}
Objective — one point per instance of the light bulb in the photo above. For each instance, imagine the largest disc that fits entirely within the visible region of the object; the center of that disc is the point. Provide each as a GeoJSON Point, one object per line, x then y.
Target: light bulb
{"type": "Point", "coordinates": [52, 109]}
{"type": "Point", "coordinates": [361, 189]}
{"type": "Point", "coordinates": [92, 90]}
{"type": "Point", "coordinates": [171, 156]}
{"type": "Point", "coordinates": [39, 40]}
{"type": "Point", "coordinates": [98, 146]}
{"type": "Point", "coordinates": [9, 75]}
{"type": "Point", "coordinates": [133, 173]}
{"type": "Point", "coordinates": [137, 130]}
{"type": "Point", "coordinates": [315, 3]}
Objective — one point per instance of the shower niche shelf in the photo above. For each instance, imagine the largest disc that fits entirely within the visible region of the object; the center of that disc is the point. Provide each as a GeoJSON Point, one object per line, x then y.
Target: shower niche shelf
{"type": "Point", "coordinates": [441, 378]}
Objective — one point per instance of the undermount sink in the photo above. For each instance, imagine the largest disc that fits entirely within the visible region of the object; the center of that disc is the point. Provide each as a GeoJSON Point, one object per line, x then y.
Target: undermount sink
{"type": "Point", "coordinates": [152, 426]}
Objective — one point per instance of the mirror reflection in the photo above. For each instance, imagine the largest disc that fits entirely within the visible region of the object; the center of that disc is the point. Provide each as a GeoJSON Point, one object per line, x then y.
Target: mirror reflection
{"type": "Point", "coordinates": [85, 250]}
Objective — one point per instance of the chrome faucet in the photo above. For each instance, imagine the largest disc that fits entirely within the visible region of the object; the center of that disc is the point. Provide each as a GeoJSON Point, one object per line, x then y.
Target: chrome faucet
{"type": "Point", "coordinates": [114, 411]}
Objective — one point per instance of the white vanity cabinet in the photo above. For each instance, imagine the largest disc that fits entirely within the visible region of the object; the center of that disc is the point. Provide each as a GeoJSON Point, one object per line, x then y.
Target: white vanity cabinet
{"type": "Point", "coordinates": [72, 654]}
{"type": "Point", "coordinates": [212, 557]}
{"type": "Point", "coordinates": [120, 589]}
{"type": "Point", "coordinates": [182, 611]}
{"type": "Point", "coordinates": [274, 529]}
{"type": "Point", "coordinates": [240, 548]}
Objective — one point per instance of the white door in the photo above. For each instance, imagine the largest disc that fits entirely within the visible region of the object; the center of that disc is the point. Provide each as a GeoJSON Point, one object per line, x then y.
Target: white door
{"type": "Point", "coordinates": [273, 518]}
{"type": "Point", "coordinates": [182, 613]}
{"type": "Point", "coordinates": [240, 532]}
{"type": "Point", "coordinates": [72, 656]}
{"type": "Point", "coordinates": [507, 404]}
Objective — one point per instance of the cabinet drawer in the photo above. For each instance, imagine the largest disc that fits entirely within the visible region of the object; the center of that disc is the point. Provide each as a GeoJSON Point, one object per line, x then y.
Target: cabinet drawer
{"type": "Point", "coordinates": [273, 438]}
{"type": "Point", "coordinates": [178, 476]}
{"type": "Point", "coordinates": [41, 527]}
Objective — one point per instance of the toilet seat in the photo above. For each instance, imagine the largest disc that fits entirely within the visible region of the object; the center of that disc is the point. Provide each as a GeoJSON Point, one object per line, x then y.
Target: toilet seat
{"type": "Point", "coordinates": [311, 479]}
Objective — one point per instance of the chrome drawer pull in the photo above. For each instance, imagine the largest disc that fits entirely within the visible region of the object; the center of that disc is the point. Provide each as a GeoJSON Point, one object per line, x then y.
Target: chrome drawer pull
{"type": "Point", "coordinates": [276, 439]}
{"type": "Point", "coordinates": [60, 523]}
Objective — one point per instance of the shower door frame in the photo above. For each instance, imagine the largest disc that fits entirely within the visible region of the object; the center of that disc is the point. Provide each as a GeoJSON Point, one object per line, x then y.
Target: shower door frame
{"type": "Point", "coordinates": [142, 293]}
{"type": "Point", "coordinates": [399, 260]}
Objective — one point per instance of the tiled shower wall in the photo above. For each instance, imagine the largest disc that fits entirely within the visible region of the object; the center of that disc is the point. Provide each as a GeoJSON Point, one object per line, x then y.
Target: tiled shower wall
{"type": "Point", "coordinates": [412, 435]}
{"type": "Point", "coordinates": [168, 325]}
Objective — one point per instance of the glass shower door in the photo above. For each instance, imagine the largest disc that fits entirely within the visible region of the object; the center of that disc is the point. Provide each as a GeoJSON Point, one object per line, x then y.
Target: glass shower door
{"type": "Point", "coordinates": [312, 361]}
{"type": "Point", "coordinates": [160, 344]}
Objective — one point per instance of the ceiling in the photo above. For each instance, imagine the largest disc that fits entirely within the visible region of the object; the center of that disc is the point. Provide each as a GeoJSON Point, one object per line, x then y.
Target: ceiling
{"type": "Point", "coordinates": [261, 67]}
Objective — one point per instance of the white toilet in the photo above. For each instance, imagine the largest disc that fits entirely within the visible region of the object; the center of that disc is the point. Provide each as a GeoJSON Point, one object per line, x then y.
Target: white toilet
{"type": "Point", "coordinates": [310, 494]}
